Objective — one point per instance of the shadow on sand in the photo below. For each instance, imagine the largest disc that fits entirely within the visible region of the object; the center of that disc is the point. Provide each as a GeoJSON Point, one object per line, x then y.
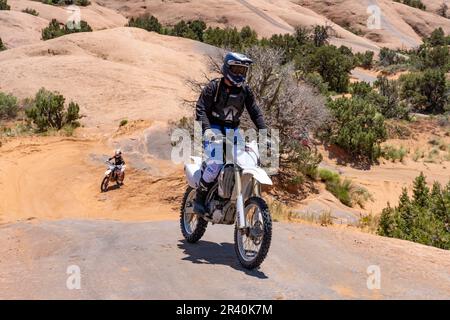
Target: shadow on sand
{"type": "Point", "coordinates": [112, 188]}
{"type": "Point", "coordinates": [206, 252]}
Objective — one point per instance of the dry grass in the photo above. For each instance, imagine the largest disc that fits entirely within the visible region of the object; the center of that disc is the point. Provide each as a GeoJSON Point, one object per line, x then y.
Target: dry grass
{"type": "Point", "coordinates": [281, 212]}
{"type": "Point", "coordinates": [369, 223]}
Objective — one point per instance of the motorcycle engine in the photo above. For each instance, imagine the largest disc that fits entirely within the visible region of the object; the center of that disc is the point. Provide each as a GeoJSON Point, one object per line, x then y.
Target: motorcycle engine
{"type": "Point", "coordinates": [216, 207]}
{"type": "Point", "coordinates": [223, 212]}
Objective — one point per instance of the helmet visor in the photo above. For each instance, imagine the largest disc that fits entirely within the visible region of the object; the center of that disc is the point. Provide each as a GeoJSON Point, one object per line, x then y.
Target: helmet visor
{"type": "Point", "coordinates": [239, 70]}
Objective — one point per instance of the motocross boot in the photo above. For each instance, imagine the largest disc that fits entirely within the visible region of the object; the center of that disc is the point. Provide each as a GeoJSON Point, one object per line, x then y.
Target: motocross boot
{"type": "Point", "coordinates": [200, 198]}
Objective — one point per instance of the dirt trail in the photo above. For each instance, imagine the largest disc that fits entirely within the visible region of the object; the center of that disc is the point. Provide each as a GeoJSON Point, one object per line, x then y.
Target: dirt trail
{"type": "Point", "coordinates": [130, 73]}
{"type": "Point", "coordinates": [55, 178]}
{"type": "Point", "coordinates": [120, 260]}
{"type": "Point", "coordinates": [266, 17]}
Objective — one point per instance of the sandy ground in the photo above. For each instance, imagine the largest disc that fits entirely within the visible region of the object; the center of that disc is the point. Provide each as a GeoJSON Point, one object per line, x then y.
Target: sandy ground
{"type": "Point", "coordinates": [120, 260]}
{"type": "Point", "coordinates": [55, 178]}
{"type": "Point", "coordinates": [18, 28]}
{"type": "Point", "coordinates": [145, 85]}
{"type": "Point", "coordinates": [385, 180]}
{"type": "Point", "coordinates": [401, 25]}
{"type": "Point", "coordinates": [113, 74]}
{"type": "Point", "coordinates": [266, 17]}
{"type": "Point", "coordinates": [128, 73]}
{"type": "Point", "coordinates": [51, 202]}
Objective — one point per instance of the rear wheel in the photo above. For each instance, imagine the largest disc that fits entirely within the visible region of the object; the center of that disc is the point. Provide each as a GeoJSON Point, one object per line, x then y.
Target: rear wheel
{"type": "Point", "coordinates": [193, 226]}
{"type": "Point", "coordinates": [252, 244]}
{"type": "Point", "coordinates": [104, 185]}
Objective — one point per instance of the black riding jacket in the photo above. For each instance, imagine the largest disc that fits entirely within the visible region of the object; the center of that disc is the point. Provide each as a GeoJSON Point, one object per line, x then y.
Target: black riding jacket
{"type": "Point", "coordinates": [118, 160]}
{"type": "Point", "coordinates": [223, 105]}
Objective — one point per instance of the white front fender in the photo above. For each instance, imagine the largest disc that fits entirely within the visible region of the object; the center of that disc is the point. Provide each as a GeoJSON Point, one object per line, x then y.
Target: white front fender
{"type": "Point", "coordinates": [259, 174]}
{"type": "Point", "coordinates": [108, 172]}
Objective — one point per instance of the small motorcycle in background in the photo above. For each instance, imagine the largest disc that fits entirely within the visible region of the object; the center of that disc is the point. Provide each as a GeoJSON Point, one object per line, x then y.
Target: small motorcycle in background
{"type": "Point", "coordinates": [111, 175]}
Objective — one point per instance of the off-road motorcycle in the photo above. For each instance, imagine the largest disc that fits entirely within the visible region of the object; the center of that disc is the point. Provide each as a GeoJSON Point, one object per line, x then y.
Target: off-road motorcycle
{"type": "Point", "coordinates": [234, 199]}
{"type": "Point", "coordinates": [111, 175]}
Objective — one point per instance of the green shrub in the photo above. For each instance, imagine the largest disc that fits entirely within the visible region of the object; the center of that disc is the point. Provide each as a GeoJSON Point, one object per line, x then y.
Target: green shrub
{"type": "Point", "coordinates": [8, 106]}
{"type": "Point", "coordinates": [347, 193]}
{"type": "Point", "coordinates": [304, 160]}
{"type": "Point", "coordinates": [437, 38]}
{"type": "Point", "coordinates": [424, 218]}
{"type": "Point", "coordinates": [53, 30]}
{"type": "Point", "coordinates": [291, 44]}
{"type": "Point", "coordinates": [390, 57]}
{"type": "Point", "coordinates": [316, 80]}
{"type": "Point", "coordinates": [123, 122]}
{"type": "Point", "coordinates": [357, 127]}
{"type": "Point", "coordinates": [231, 38]}
{"type": "Point", "coordinates": [48, 111]}
{"type": "Point", "coordinates": [147, 22]}
{"type": "Point", "coordinates": [31, 11]}
{"type": "Point", "coordinates": [4, 5]}
{"type": "Point", "coordinates": [191, 29]}
{"type": "Point", "coordinates": [413, 3]}
{"type": "Point", "coordinates": [431, 57]}
{"type": "Point", "coordinates": [388, 99]}
{"type": "Point", "coordinates": [392, 153]}
{"type": "Point", "coordinates": [321, 34]}
{"type": "Point", "coordinates": [365, 60]}
{"type": "Point", "coordinates": [82, 3]}
{"type": "Point", "coordinates": [425, 91]}
{"type": "Point", "coordinates": [328, 176]}
{"type": "Point", "coordinates": [56, 29]}
{"type": "Point", "coordinates": [331, 63]}
{"type": "Point", "coordinates": [361, 89]}
{"type": "Point", "coordinates": [341, 190]}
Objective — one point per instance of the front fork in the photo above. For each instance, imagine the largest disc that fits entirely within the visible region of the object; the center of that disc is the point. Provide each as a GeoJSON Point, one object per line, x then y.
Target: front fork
{"type": "Point", "coordinates": [239, 198]}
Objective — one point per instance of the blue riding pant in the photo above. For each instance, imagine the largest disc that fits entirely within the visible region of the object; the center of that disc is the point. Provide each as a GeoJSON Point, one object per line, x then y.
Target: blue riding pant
{"type": "Point", "coordinates": [215, 152]}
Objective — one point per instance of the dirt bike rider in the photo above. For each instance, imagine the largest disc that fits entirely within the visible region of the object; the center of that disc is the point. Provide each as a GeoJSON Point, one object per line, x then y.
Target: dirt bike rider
{"type": "Point", "coordinates": [220, 107]}
{"type": "Point", "coordinates": [119, 163]}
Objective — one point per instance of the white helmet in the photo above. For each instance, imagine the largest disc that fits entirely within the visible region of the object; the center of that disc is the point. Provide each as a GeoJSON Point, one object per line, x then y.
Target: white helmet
{"type": "Point", "coordinates": [118, 152]}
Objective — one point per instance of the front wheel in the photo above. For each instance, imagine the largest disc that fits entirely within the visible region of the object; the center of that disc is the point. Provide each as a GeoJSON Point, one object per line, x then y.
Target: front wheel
{"type": "Point", "coordinates": [193, 227]}
{"type": "Point", "coordinates": [252, 243]}
{"type": "Point", "coordinates": [104, 185]}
